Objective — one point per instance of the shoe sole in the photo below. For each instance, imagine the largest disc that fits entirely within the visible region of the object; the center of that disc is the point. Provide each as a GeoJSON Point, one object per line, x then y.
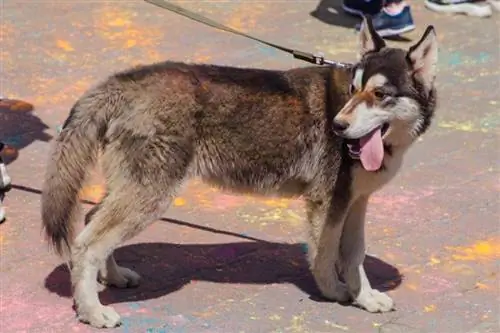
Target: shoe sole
{"type": "Point", "coordinates": [395, 32]}
{"type": "Point", "coordinates": [461, 8]}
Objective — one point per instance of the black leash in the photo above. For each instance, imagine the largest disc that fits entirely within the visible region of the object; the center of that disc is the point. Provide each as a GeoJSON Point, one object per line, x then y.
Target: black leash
{"type": "Point", "coordinates": [305, 56]}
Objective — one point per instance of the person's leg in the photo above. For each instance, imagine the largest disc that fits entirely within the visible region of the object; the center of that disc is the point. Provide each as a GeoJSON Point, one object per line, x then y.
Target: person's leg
{"type": "Point", "coordinates": [477, 8]}
{"type": "Point", "coordinates": [394, 19]}
{"type": "Point", "coordinates": [362, 7]}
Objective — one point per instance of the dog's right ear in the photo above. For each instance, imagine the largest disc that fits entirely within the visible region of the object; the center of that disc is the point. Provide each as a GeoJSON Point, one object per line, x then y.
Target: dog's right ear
{"type": "Point", "coordinates": [369, 39]}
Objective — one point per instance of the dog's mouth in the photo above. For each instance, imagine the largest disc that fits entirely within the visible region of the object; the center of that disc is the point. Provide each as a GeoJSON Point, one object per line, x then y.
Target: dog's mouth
{"type": "Point", "coordinates": [369, 149]}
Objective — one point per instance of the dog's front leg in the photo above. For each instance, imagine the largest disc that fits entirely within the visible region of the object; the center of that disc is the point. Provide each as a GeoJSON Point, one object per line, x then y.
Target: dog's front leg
{"type": "Point", "coordinates": [352, 248]}
{"type": "Point", "coordinates": [325, 225]}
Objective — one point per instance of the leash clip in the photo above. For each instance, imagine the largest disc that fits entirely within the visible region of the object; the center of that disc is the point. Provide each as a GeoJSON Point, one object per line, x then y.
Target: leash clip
{"type": "Point", "coordinates": [320, 60]}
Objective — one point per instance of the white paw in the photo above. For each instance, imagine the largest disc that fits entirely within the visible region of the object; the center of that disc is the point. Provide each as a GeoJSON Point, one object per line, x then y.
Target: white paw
{"type": "Point", "coordinates": [102, 316]}
{"type": "Point", "coordinates": [374, 301]}
{"type": "Point", "coordinates": [123, 277]}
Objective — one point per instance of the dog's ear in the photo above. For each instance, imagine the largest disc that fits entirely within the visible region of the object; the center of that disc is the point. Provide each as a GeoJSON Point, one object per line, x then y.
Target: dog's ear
{"type": "Point", "coordinates": [369, 39]}
{"type": "Point", "coordinates": [423, 57]}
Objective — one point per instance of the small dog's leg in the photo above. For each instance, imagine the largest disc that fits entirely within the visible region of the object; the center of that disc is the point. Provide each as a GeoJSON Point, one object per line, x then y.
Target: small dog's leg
{"type": "Point", "coordinates": [353, 254]}
{"type": "Point", "coordinates": [2, 211]}
{"type": "Point", "coordinates": [4, 184]}
{"type": "Point", "coordinates": [110, 273]}
{"type": "Point", "coordinates": [4, 177]}
{"type": "Point", "coordinates": [325, 231]}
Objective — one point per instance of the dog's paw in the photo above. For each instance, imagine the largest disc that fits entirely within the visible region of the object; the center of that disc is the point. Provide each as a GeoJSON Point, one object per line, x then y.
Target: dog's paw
{"type": "Point", "coordinates": [374, 301]}
{"type": "Point", "coordinates": [337, 293]}
{"type": "Point", "coordinates": [100, 317]}
{"type": "Point", "coordinates": [341, 294]}
{"type": "Point", "coordinates": [122, 277]}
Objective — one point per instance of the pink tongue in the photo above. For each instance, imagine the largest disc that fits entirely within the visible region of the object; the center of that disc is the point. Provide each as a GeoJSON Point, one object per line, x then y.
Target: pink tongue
{"type": "Point", "coordinates": [372, 150]}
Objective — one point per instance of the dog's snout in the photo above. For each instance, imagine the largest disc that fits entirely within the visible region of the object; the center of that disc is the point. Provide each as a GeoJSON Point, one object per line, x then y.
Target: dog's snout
{"type": "Point", "coordinates": [340, 125]}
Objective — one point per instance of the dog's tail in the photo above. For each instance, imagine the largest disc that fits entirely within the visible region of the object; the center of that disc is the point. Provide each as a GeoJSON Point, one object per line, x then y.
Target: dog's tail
{"type": "Point", "coordinates": [76, 149]}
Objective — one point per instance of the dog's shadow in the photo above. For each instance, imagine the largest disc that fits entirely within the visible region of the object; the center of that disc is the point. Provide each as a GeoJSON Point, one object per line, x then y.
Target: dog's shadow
{"type": "Point", "coordinates": [166, 268]}
{"type": "Point", "coordinates": [331, 12]}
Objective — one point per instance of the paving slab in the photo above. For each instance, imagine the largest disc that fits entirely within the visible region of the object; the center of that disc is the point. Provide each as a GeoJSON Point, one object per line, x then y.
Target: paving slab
{"type": "Point", "coordinates": [226, 263]}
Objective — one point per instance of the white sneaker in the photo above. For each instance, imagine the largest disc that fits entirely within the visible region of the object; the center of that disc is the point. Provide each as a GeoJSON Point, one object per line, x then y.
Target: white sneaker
{"type": "Point", "coordinates": [495, 4]}
{"type": "Point", "coordinates": [478, 8]}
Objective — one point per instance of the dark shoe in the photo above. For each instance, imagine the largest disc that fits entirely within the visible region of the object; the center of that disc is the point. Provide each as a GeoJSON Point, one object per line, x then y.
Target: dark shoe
{"type": "Point", "coordinates": [477, 8]}
{"type": "Point", "coordinates": [391, 25]}
{"type": "Point", "coordinates": [360, 7]}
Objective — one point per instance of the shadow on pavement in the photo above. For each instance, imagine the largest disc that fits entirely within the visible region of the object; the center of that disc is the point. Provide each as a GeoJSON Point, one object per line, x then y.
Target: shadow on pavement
{"type": "Point", "coordinates": [19, 128]}
{"type": "Point", "coordinates": [331, 12]}
{"type": "Point", "coordinates": [166, 268]}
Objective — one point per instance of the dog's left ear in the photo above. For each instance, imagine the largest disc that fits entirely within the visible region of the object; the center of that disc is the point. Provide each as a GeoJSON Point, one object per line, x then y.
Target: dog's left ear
{"type": "Point", "coordinates": [369, 39]}
{"type": "Point", "coordinates": [423, 57]}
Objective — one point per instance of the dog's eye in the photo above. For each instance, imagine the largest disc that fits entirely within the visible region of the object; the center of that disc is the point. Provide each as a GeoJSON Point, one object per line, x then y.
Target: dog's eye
{"type": "Point", "coordinates": [352, 89]}
{"type": "Point", "coordinates": [380, 95]}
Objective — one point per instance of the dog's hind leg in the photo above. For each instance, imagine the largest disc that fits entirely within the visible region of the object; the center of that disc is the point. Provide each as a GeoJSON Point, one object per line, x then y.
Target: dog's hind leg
{"type": "Point", "coordinates": [117, 219]}
{"type": "Point", "coordinates": [141, 182]}
{"type": "Point", "coordinates": [325, 225]}
{"type": "Point", "coordinates": [352, 250]}
{"type": "Point", "coordinates": [110, 273]}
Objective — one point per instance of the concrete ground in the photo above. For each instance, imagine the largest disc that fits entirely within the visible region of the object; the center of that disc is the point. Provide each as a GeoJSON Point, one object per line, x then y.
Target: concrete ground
{"type": "Point", "coordinates": [230, 264]}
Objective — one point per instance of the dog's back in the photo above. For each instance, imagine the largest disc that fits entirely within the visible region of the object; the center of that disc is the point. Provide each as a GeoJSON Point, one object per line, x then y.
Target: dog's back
{"type": "Point", "coordinates": [243, 129]}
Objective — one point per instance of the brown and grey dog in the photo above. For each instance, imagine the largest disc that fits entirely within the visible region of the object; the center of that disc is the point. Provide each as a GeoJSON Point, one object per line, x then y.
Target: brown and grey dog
{"type": "Point", "coordinates": [331, 135]}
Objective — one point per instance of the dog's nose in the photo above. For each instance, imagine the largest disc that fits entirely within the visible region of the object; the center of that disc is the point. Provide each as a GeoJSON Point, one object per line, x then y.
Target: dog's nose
{"type": "Point", "coordinates": [340, 125]}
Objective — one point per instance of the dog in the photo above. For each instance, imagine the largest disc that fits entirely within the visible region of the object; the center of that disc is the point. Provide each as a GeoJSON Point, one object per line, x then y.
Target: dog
{"type": "Point", "coordinates": [330, 135]}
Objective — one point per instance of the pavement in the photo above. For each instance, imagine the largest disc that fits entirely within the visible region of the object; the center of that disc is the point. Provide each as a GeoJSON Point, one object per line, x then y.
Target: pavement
{"type": "Point", "coordinates": [228, 263]}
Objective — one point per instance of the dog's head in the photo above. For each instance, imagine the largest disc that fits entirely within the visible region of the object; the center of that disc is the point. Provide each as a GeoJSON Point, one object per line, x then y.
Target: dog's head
{"type": "Point", "coordinates": [392, 96]}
